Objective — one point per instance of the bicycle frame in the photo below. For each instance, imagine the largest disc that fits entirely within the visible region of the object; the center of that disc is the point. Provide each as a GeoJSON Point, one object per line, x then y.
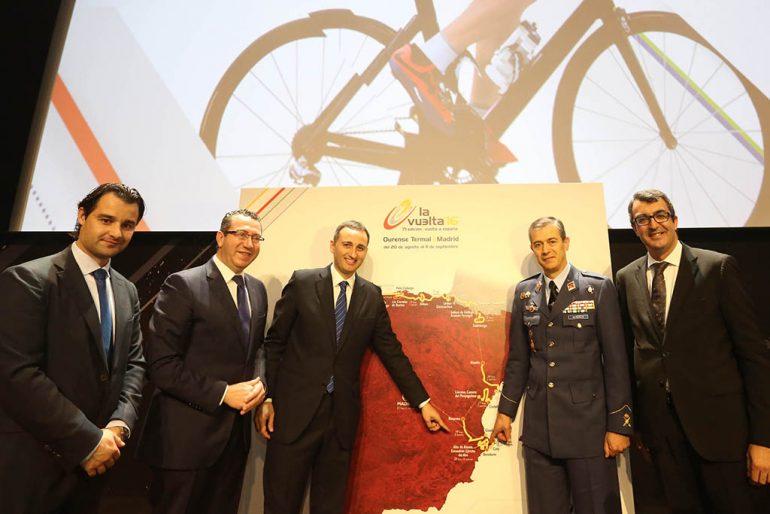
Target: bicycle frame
{"type": "Point", "coordinates": [505, 110]}
{"type": "Point", "coordinates": [510, 105]}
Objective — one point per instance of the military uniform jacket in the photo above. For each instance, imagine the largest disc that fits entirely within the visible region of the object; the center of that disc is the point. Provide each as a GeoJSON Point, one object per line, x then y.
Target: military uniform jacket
{"type": "Point", "coordinates": [571, 361]}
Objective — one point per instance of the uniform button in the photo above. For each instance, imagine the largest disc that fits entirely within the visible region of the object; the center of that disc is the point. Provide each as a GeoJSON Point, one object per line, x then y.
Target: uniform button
{"type": "Point", "coordinates": [550, 323]}
{"type": "Point", "coordinates": [551, 344]}
{"type": "Point", "coordinates": [552, 364]}
{"type": "Point", "coordinates": [551, 385]}
{"type": "Point", "coordinates": [104, 377]}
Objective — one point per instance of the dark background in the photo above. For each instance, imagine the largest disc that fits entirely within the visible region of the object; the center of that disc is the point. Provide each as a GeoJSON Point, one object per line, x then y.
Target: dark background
{"type": "Point", "coordinates": [30, 49]}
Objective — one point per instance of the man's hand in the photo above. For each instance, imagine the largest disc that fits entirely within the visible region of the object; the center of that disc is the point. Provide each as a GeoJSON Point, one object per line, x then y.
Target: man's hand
{"type": "Point", "coordinates": [244, 396]}
{"type": "Point", "coordinates": [615, 444]}
{"type": "Point", "coordinates": [432, 418]}
{"type": "Point", "coordinates": [105, 455]}
{"type": "Point", "coordinates": [502, 429]}
{"type": "Point", "coordinates": [758, 464]}
{"type": "Point", "coordinates": [264, 419]}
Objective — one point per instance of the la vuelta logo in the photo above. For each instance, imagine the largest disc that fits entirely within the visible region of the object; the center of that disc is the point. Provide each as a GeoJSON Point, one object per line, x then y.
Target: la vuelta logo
{"type": "Point", "coordinates": [398, 214]}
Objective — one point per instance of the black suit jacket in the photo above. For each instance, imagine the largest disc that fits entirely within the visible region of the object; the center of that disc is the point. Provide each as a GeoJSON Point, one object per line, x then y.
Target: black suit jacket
{"type": "Point", "coordinates": [194, 349]}
{"type": "Point", "coordinates": [712, 354]}
{"type": "Point", "coordinates": [56, 386]}
{"type": "Point", "coordinates": [572, 363]}
{"type": "Point", "coordinates": [302, 353]}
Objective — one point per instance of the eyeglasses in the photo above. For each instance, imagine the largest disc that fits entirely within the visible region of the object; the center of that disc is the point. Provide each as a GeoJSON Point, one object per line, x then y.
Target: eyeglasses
{"type": "Point", "coordinates": [244, 236]}
{"type": "Point", "coordinates": [659, 216]}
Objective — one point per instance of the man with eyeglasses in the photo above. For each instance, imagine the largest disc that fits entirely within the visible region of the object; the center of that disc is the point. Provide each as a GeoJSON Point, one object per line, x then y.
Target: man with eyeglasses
{"type": "Point", "coordinates": [207, 325]}
{"type": "Point", "coordinates": [702, 366]}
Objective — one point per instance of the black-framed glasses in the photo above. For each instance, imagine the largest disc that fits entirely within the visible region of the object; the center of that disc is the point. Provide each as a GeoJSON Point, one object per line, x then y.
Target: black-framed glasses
{"type": "Point", "coordinates": [244, 236]}
{"type": "Point", "coordinates": [659, 216]}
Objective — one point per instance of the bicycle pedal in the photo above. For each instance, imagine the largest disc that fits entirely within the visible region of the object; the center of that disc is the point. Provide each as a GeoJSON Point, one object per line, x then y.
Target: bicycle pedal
{"type": "Point", "coordinates": [304, 174]}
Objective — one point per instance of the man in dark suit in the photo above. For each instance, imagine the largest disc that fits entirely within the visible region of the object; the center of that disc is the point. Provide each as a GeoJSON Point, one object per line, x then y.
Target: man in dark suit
{"type": "Point", "coordinates": [207, 325]}
{"type": "Point", "coordinates": [71, 365]}
{"type": "Point", "coordinates": [324, 322]}
{"type": "Point", "coordinates": [567, 352]}
{"type": "Point", "coordinates": [702, 367]}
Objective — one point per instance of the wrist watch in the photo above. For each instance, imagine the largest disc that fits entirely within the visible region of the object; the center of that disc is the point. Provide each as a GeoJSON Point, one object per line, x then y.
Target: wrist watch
{"type": "Point", "coordinates": [125, 433]}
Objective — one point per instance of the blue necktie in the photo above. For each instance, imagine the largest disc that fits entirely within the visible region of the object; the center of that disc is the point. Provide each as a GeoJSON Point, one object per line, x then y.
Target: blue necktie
{"type": "Point", "coordinates": [340, 311]}
{"type": "Point", "coordinates": [105, 314]}
{"type": "Point", "coordinates": [243, 307]}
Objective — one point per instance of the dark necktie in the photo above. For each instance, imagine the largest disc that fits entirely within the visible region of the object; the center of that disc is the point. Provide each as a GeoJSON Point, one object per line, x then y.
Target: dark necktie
{"type": "Point", "coordinates": [105, 313]}
{"type": "Point", "coordinates": [658, 296]}
{"type": "Point", "coordinates": [340, 311]}
{"type": "Point", "coordinates": [243, 307]}
{"type": "Point", "coordinates": [552, 296]}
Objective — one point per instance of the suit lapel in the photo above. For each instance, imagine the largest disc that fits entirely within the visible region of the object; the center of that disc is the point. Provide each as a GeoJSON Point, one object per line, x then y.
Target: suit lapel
{"type": "Point", "coordinates": [75, 284]}
{"type": "Point", "coordinates": [255, 301]}
{"type": "Point", "coordinates": [122, 310]}
{"type": "Point", "coordinates": [325, 292]}
{"type": "Point", "coordinates": [222, 301]}
{"type": "Point", "coordinates": [356, 303]}
{"type": "Point", "coordinates": [644, 300]}
{"type": "Point", "coordinates": [685, 279]}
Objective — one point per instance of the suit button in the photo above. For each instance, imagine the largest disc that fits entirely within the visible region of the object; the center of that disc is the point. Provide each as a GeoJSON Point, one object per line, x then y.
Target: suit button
{"type": "Point", "coordinates": [550, 323]}
{"type": "Point", "coordinates": [665, 354]}
{"type": "Point", "coordinates": [662, 383]}
{"type": "Point", "coordinates": [551, 344]}
{"type": "Point", "coordinates": [552, 364]}
{"type": "Point", "coordinates": [551, 385]}
{"type": "Point", "coordinates": [104, 377]}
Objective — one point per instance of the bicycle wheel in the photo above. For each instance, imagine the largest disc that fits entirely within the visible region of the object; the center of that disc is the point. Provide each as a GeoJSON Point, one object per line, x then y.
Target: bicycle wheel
{"type": "Point", "coordinates": [282, 81]}
{"type": "Point", "coordinates": [603, 130]}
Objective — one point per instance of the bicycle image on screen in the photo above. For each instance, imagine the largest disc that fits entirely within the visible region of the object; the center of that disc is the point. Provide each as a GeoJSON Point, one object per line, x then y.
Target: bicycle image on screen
{"type": "Point", "coordinates": [643, 101]}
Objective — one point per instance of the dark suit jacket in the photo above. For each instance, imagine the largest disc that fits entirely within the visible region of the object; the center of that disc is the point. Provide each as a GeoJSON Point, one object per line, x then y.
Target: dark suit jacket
{"type": "Point", "coordinates": [56, 386]}
{"type": "Point", "coordinates": [302, 353]}
{"type": "Point", "coordinates": [194, 349]}
{"type": "Point", "coordinates": [712, 354]}
{"type": "Point", "coordinates": [572, 362]}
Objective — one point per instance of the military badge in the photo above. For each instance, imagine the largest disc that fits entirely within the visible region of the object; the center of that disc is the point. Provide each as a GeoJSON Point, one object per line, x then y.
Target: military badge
{"type": "Point", "coordinates": [538, 286]}
{"type": "Point", "coordinates": [524, 295]}
{"type": "Point", "coordinates": [590, 289]}
{"type": "Point", "coordinates": [531, 307]}
{"type": "Point", "coordinates": [571, 285]}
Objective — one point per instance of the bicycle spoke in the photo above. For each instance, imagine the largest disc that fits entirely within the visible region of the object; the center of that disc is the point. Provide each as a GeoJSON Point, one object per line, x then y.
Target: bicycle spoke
{"type": "Point", "coordinates": [265, 123]}
{"type": "Point", "coordinates": [295, 114]}
{"type": "Point", "coordinates": [615, 118]}
{"type": "Point", "coordinates": [622, 104]}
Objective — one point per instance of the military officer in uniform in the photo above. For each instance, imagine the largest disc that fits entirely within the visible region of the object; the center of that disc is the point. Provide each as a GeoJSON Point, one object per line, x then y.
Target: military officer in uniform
{"type": "Point", "coordinates": [567, 352]}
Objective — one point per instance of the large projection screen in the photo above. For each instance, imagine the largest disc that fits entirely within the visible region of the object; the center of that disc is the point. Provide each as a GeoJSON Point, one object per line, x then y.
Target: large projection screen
{"type": "Point", "coordinates": [193, 101]}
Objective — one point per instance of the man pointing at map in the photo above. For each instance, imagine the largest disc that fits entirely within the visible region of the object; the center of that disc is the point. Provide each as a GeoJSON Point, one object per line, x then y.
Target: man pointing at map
{"type": "Point", "coordinates": [567, 352]}
{"type": "Point", "coordinates": [324, 322]}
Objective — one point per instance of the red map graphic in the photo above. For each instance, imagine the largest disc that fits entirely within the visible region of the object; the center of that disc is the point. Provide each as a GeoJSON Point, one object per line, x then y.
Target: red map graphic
{"type": "Point", "coordinates": [458, 353]}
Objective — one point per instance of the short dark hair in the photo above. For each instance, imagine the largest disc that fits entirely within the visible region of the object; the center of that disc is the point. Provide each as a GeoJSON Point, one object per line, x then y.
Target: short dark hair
{"type": "Point", "coordinates": [352, 225]}
{"type": "Point", "coordinates": [122, 191]}
{"type": "Point", "coordinates": [544, 221]}
{"type": "Point", "coordinates": [649, 196]}
{"type": "Point", "coordinates": [227, 219]}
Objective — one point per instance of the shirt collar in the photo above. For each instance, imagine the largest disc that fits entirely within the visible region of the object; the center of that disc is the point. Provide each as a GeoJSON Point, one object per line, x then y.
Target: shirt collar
{"type": "Point", "coordinates": [337, 278]}
{"type": "Point", "coordinates": [226, 272]}
{"type": "Point", "coordinates": [86, 263]}
{"type": "Point", "coordinates": [560, 278]}
{"type": "Point", "coordinates": [673, 259]}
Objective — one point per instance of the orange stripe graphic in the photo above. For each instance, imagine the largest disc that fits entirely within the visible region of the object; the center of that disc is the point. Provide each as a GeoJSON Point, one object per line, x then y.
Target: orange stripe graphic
{"type": "Point", "coordinates": [84, 137]}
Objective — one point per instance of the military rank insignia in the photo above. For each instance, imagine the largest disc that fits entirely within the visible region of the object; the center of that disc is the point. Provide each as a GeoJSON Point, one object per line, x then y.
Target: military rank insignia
{"type": "Point", "coordinates": [571, 285]}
